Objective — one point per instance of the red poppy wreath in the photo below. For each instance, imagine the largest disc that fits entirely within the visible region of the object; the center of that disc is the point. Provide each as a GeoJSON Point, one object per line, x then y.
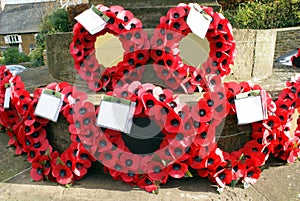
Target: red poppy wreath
{"type": "Point", "coordinates": [29, 136]}
{"type": "Point", "coordinates": [164, 50]}
{"type": "Point", "coordinates": [165, 43]}
{"type": "Point", "coordinates": [159, 142]}
{"type": "Point", "coordinates": [9, 118]}
{"type": "Point", "coordinates": [127, 28]}
{"type": "Point", "coordinates": [243, 165]}
{"type": "Point", "coordinates": [288, 103]}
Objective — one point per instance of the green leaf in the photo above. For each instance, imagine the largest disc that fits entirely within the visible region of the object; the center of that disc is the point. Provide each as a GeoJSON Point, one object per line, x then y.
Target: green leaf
{"type": "Point", "coordinates": [234, 183]}
{"type": "Point", "coordinates": [59, 161]}
{"type": "Point", "coordinates": [188, 174]}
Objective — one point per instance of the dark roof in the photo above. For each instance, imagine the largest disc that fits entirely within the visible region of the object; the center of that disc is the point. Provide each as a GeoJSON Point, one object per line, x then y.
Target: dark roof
{"type": "Point", "coordinates": [24, 18]}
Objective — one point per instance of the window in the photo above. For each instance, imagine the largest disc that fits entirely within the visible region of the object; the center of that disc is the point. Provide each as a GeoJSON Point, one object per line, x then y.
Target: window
{"type": "Point", "coordinates": [12, 39]}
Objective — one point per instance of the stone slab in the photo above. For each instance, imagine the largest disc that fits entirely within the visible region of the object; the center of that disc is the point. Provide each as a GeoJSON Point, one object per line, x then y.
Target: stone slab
{"type": "Point", "coordinates": [264, 54]}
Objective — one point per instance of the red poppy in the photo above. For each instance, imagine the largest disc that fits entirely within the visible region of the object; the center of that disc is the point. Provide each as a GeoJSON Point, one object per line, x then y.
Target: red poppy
{"type": "Point", "coordinates": [33, 155]}
{"type": "Point", "coordinates": [157, 172]}
{"type": "Point", "coordinates": [130, 177]}
{"type": "Point", "coordinates": [201, 112]}
{"type": "Point", "coordinates": [196, 160]}
{"type": "Point", "coordinates": [178, 170]}
{"type": "Point", "coordinates": [125, 16]}
{"type": "Point", "coordinates": [84, 121]}
{"type": "Point", "coordinates": [36, 171]}
{"type": "Point", "coordinates": [252, 175]}
{"type": "Point", "coordinates": [39, 135]}
{"type": "Point", "coordinates": [255, 150]}
{"type": "Point", "coordinates": [162, 72]}
{"type": "Point", "coordinates": [45, 161]}
{"type": "Point", "coordinates": [134, 23]}
{"type": "Point", "coordinates": [130, 161]}
{"type": "Point", "coordinates": [78, 168]}
{"type": "Point", "coordinates": [198, 78]}
{"type": "Point", "coordinates": [76, 52]}
{"type": "Point", "coordinates": [103, 143]}
{"type": "Point", "coordinates": [23, 106]}
{"type": "Point", "coordinates": [185, 136]}
{"type": "Point", "coordinates": [163, 95]}
{"type": "Point", "coordinates": [62, 174]}
{"type": "Point", "coordinates": [272, 123]}
{"type": "Point", "coordinates": [172, 81]}
{"type": "Point", "coordinates": [173, 122]}
{"type": "Point", "coordinates": [176, 13]}
{"type": "Point", "coordinates": [149, 102]}
{"type": "Point", "coordinates": [78, 151]}
{"type": "Point", "coordinates": [223, 177]}
{"type": "Point", "coordinates": [214, 159]}
{"type": "Point", "coordinates": [114, 25]}
{"type": "Point", "coordinates": [180, 26]}
{"type": "Point", "coordinates": [147, 184]}
{"type": "Point", "coordinates": [40, 145]}
{"type": "Point", "coordinates": [108, 158]}
{"type": "Point", "coordinates": [164, 154]}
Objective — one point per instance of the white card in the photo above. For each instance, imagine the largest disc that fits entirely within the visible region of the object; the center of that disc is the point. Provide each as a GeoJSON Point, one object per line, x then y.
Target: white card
{"type": "Point", "coordinates": [7, 98]}
{"type": "Point", "coordinates": [49, 105]}
{"type": "Point", "coordinates": [198, 20]}
{"type": "Point", "coordinates": [116, 115]}
{"type": "Point", "coordinates": [92, 20]}
{"type": "Point", "coordinates": [249, 109]}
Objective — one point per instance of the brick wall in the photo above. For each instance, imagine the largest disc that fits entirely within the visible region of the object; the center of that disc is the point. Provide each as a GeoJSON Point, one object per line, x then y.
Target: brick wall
{"type": "Point", "coordinates": [287, 39]}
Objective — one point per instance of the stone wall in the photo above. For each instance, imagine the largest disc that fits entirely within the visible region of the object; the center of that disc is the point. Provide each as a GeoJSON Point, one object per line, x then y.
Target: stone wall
{"type": "Point", "coordinates": [60, 62]}
{"type": "Point", "coordinates": [287, 39]}
{"type": "Point", "coordinates": [255, 52]}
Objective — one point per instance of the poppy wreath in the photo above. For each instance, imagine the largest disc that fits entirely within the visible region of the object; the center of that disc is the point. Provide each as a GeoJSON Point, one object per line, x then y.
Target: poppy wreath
{"type": "Point", "coordinates": [9, 118]}
{"type": "Point", "coordinates": [288, 103]}
{"type": "Point", "coordinates": [163, 48]}
{"type": "Point", "coordinates": [128, 29]}
{"type": "Point", "coordinates": [225, 168]}
{"type": "Point", "coordinates": [139, 162]}
{"type": "Point", "coordinates": [5, 77]}
{"type": "Point", "coordinates": [165, 43]}
{"type": "Point", "coordinates": [31, 137]}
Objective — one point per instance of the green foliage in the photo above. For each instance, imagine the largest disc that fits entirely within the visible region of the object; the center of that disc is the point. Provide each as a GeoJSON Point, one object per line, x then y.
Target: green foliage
{"type": "Point", "coordinates": [55, 22]}
{"type": "Point", "coordinates": [2, 61]}
{"type": "Point", "coordinates": [13, 56]}
{"type": "Point", "coordinates": [265, 14]}
{"type": "Point", "coordinates": [36, 57]}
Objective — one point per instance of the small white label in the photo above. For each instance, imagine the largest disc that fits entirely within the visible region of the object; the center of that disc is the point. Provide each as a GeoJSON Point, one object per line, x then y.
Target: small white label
{"type": "Point", "coordinates": [91, 21]}
{"type": "Point", "coordinates": [116, 115]}
{"type": "Point", "coordinates": [49, 105]}
{"type": "Point", "coordinates": [198, 20]}
{"type": "Point", "coordinates": [7, 98]}
{"type": "Point", "coordinates": [249, 109]}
